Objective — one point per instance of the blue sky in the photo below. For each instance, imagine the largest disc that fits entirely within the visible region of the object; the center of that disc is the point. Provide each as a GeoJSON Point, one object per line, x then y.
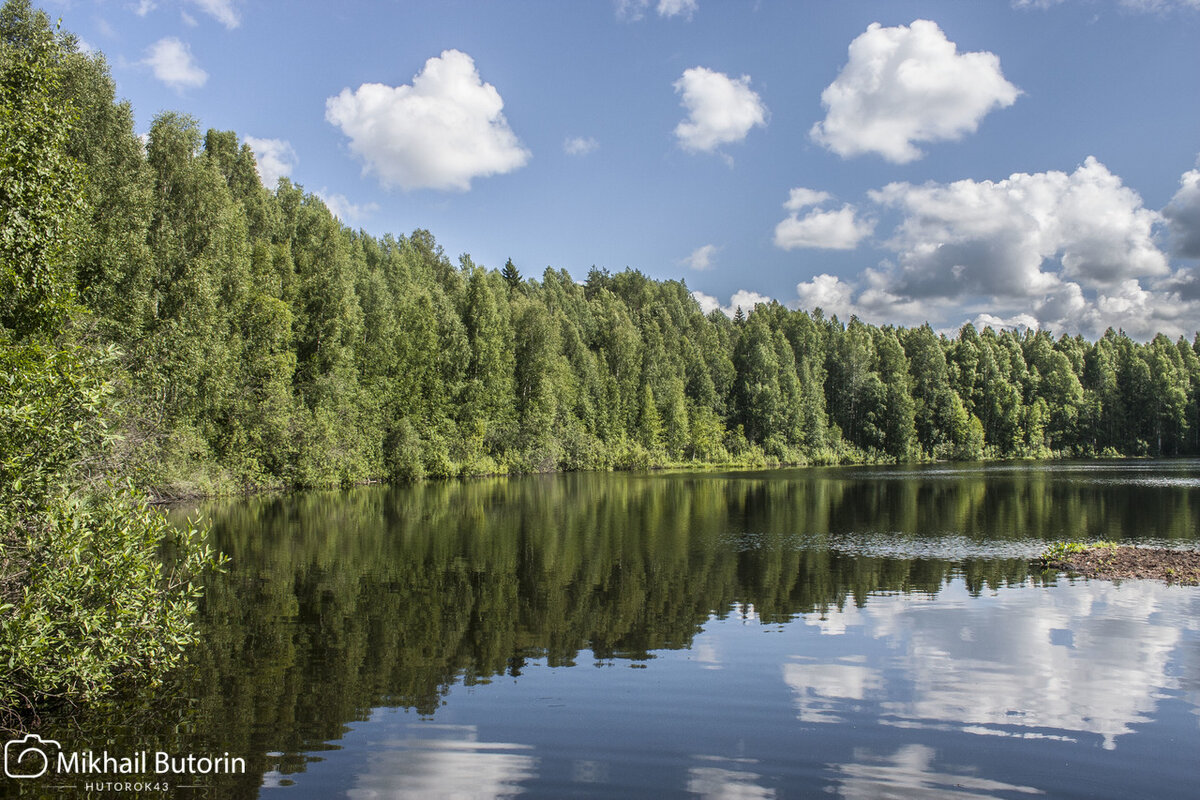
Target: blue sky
{"type": "Point", "coordinates": [1023, 163]}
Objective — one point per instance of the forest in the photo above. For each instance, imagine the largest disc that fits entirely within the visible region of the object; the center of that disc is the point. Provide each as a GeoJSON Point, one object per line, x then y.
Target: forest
{"type": "Point", "coordinates": [259, 342]}
{"type": "Point", "coordinates": [170, 325]}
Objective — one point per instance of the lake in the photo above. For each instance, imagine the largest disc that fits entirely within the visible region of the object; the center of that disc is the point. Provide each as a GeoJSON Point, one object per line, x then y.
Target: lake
{"type": "Point", "coordinates": [857, 632]}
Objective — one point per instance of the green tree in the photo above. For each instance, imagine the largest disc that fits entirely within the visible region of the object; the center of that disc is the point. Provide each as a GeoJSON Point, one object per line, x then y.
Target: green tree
{"type": "Point", "coordinates": [86, 601]}
{"type": "Point", "coordinates": [650, 426]}
{"type": "Point", "coordinates": [899, 429]}
{"type": "Point", "coordinates": [487, 402]}
{"type": "Point", "coordinates": [511, 275]}
{"type": "Point", "coordinates": [757, 397]}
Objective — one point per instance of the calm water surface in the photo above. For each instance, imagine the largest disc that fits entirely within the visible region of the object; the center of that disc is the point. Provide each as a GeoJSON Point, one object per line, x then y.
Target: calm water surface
{"type": "Point", "coordinates": [854, 632]}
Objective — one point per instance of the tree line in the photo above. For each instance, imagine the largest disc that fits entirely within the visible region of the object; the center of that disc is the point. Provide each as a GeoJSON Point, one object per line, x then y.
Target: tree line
{"type": "Point", "coordinates": [263, 342]}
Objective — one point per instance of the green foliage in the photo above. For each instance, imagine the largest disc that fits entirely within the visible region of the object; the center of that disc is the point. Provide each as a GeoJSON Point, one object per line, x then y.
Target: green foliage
{"type": "Point", "coordinates": [1063, 552]}
{"type": "Point", "coordinates": [87, 601]}
{"type": "Point", "coordinates": [266, 344]}
{"type": "Point", "coordinates": [98, 608]}
{"type": "Point", "coordinates": [38, 180]}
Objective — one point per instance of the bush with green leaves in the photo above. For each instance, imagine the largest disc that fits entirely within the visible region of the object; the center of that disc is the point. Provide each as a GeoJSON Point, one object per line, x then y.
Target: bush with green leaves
{"type": "Point", "coordinates": [97, 589]}
{"type": "Point", "coordinates": [98, 607]}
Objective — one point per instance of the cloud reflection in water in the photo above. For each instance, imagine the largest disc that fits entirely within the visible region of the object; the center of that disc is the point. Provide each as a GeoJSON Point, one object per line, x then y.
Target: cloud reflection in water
{"type": "Point", "coordinates": [444, 761]}
{"type": "Point", "coordinates": [1008, 670]}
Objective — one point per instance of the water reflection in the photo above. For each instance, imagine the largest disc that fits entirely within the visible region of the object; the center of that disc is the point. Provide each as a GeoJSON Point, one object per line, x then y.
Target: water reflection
{"type": "Point", "coordinates": [822, 688]}
{"type": "Point", "coordinates": [339, 604]}
{"type": "Point", "coordinates": [444, 761]}
{"type": "Point", "coordinates": [999, 666]}
{"type": "Point", "coordinates": [910, 773]}
{"type": "Point", "coordinates": [733, 781]}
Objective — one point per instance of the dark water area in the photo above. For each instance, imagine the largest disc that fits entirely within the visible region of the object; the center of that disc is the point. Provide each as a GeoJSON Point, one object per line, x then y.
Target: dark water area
{"type": "Point", "coordinates": [850, 632]}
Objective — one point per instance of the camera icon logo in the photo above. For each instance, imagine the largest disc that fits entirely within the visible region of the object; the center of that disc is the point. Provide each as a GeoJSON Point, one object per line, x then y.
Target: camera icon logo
{"type": "Point", "coordinates": [28, 757]}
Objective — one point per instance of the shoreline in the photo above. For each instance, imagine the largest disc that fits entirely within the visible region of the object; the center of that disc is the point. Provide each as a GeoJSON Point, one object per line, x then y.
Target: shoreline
{"type": "Point", "coordinates": [162, 497]}
{"type": "Point", "coordinates": [1110, 561]}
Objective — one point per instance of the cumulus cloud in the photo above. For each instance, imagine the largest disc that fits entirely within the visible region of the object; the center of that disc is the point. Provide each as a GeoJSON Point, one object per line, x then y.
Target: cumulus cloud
{"type": "Point", "coordinates": [831, 230]}
{"type": "Point", "coordinates": [1023, 321]}
{"type": "Point", "coordinates": [742, 298]}
{"type": "Point", "coordinates": [701, 258]}
{"type": "Point", "coordinates": [801, 198]}
{"type": "Point", "coordinates": [276, 159]}
{"type": "Point", "coordinates": [220, 10]}
{"type": "Point", "coordinates": [995, 238]}
{"type": "Point", "coordinates": [172, 63]}
{"type": "Point", "coordinates": [1070, 252]}
{"type": "Point", "coordinates": [144, 7]}
{"type": "Point", "coordinates": [1183, 216]}
{"type": "Point", "coordinates": [869, 298]}
{"type": "Point", "coordinates": [904, 85]}
{"type": "Point", "coordinates": [579, 145]}
{"type": "Point", "coordinates": [342, 208]}
{"type": "Point", "coordinates": [440, 132]}
{"type": "Point", "coordinates": [720, 109]}
{"type": "Point", "coordinates": [829, 293]}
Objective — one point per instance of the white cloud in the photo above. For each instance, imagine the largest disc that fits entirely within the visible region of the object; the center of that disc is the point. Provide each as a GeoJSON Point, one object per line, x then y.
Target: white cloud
{"type": "Point", "coordinates": [742, 298]}
{"type": "Point", "coordinates": [173, 64]}
{"type": "Point", "coordinates": [745, 300]}
{"type": "Point", "coordinates": [343, 209]}
{"type": "Point", "coordinates": [220, 10]}
{"type": "Point", "coordinates": [996, 238]}
{"type": "Point", "coordinates": [708, 303]}
{"type": "Point", "coordinates": [276, 159]}
{"type": "Point", "coordinates": [831, 230]}
{"type": "Point", "coordinates": [875, 302]}
{"type": "Point", "coordinates": [828, 293]}
{"type": "Point", "coordinates": [438, 133]}
{"type": "Point", "coordinates": [1183, 216]}
{"type": "Point", "coordinates": [908, 84]}
{"type": "Point", "coordinates": [701, 258]}
{"type": "Point", "coordinates": [634, 10]}
{"type": "Point", "coordinates": [1073, 253]}
{"type": "Point", "coordinates": [801, 198]}
{"type": "Point", "coordinates": [676, 8]}
{"type": "Point", "coordinates": [1020, 322]}
{"type": "Point", "coordinates": [144, 7]}
{"type": "Point", "coordinates": [188, 19]}
{"type": "Point", "coordinates": [720, 109]}
{"type": "Point", "coordinates": [579, 145]}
